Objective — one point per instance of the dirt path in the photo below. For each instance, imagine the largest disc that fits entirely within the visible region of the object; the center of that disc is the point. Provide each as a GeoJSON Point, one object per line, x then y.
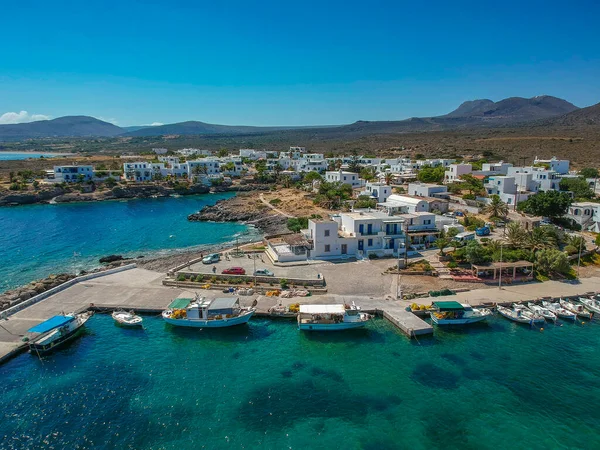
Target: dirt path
{"type": "Point", "coordinates": [278, 211]}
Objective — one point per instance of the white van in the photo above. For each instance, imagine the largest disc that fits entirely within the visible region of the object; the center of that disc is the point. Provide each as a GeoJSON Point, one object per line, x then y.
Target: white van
{"type": "Point", "coordinates": [465, 237]}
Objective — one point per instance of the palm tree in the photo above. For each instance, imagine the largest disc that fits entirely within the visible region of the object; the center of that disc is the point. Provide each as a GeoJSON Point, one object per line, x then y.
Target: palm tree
{"type": "Point", "coordinates": [496, 207]}
{"type": "Point", "coordinates": [515, 234]}
{"type": "Point", "coordinates": [539, 239]}
{"type": "Point", "coordinates": [389, 178]}
{"type": "Point", "coordinates": [442, 243]}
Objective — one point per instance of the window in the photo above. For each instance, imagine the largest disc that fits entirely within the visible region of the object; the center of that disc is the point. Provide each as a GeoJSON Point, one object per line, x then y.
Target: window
{"type": "Point", "coordinates": [326, 233]}
{"type": "Point", "coordinates": [427, 222]}
{"type": "Point", "coordinates": [327, 248]}
{"type": "Point", "coordinates": [370, 243]}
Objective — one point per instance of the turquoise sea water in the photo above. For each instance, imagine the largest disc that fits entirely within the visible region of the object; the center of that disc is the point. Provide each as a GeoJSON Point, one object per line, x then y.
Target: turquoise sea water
{"type": "Point", "coordinates": [38, 240]}
{"type": "Point", "coordinates": [266, 385]}
{"type": "Point", "coordinates": [10, 156]}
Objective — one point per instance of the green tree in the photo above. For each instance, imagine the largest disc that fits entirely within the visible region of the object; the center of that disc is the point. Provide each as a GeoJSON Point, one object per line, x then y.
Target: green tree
{"type": "Point", "coordinates": [221, 153]}
{"type": "Point", "coordinates": [333, 195]}
{"type": "Point", "coordinates": [578, 186]}
{"type": "Point", "coordinates": [589, 172]}
{"type": "Point", "coordinates": [540, 238]}
{"type": "Point", "coordinates": [515, 234]}
{"type": "Point", "coordinates": [472, 184]}
{"type": "Point", "coordinates": [547, 204]}
{"type": "Point", "coordinates": [110, 182]}
{"type": "Point", "coordinates": [496, 207]}
{"type": "Point", "coordinates": [354, 165]}
{"type": "Point", "coordinates": [389, 178]}
{"type": "Point", "coordinates": [442, 243]}
{"type": "Point", "coordinates": [431, 174]}
{"type": "Point", "coordinates": [297, 223]}
{"type": "Point", "coordinates": [367, 173]}
{"type": "Point", "coordinates": [475, 253]}
{"type": "Point", "coordinates": [312, 176]}
{"type": "Point", "coordinates": [364, 201]}
{"type": "Point", "coordinates": [552, 261]}
{"type": "Point", "coordinates": [574, 240]}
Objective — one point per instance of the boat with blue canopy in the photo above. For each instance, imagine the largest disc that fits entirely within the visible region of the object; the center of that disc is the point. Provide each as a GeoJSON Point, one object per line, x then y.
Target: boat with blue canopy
{"type": "Point", "coordinates": [56, 331]}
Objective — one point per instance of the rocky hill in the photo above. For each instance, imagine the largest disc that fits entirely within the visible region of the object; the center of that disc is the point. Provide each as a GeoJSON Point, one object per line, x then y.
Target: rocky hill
{"type": "Point", "coordinates": [68, 126]}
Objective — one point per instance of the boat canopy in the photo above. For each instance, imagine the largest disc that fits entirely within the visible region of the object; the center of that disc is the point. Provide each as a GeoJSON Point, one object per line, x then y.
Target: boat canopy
{"type": "Point", "coordinates": [223, 305]}
{"type": "Point", "coordinates": [51, 323]}
{"type": "Point", "coordinates": [180, 303]}
{"type": "Point", "coordinates": [322, 309]}
{"type": "Point", "coordinates": [448, 306]}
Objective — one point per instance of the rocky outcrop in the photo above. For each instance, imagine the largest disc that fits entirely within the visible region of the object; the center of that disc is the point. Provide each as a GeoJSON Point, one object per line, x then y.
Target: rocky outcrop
{"type": "Point", "coordinates": [10, 198]}
{"type": "Point", "coordinates": [20, 294]}
{"type": "Point", "coordinates": [111, 258]}
{"type": "Point", "coordinates": [234, 210]}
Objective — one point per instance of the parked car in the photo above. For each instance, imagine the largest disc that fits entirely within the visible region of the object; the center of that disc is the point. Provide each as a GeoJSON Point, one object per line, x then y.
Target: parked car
{"type": "Point", "coordinates": [464, 237]}
{"type": "Point", "coordinates": [459, 213]}
{"type": "Point", "coordinates": [483, 231]}
{"type": "Point", "coordinates": [264, 273]}
{"type": "Point", "coordinates": [234, 271]}
{"type": "Point", "coordinates": [211, 259]}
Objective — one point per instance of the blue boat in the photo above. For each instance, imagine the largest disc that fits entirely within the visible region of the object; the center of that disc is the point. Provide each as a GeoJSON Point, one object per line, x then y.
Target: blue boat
{"type": "Point", "coordinates": [56, 331]}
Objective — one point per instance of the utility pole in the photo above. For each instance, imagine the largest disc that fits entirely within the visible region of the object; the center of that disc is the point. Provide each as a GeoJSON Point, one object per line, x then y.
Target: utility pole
{"type": "Point", "coordinates": [579, 256]}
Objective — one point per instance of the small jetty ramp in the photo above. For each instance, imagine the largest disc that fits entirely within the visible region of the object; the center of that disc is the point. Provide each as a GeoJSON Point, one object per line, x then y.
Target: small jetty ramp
{"type": "Point", "coordinates": [410, 324]}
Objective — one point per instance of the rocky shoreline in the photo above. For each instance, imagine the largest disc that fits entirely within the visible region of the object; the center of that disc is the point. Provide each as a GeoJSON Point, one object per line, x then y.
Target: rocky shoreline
{"type": "Point", "coordinates": [246, 209]}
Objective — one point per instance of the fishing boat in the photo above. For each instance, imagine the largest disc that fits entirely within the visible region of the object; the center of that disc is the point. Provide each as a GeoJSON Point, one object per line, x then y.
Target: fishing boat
{"type": "Point", "coordinates": [542, 311]}
{"type": "Point", "coordinates": [455, 313]}
{"type": "Point", "coordinates": [576, 308]}
{"type": "Point", "coordinates": [331, 317]}
{"type": "Point", "coordinates": [127, 319]}
{"type": "Point", "coordinates": [521, 315]}
{"type": "Point", "coordinates": [561, 312]}
{"type": "Point", "coordinates": [56, 331]}
{"type": "Point", "coordinates": [591, 304]}
{"type": "Point", "coordinates": [205, 313]}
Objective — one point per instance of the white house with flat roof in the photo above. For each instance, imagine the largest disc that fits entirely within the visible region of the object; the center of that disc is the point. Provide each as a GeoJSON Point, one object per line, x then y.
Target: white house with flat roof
{"type": "Point", "coordinates": [402, 204]}
{"type": "Point", "coordinates": [341, 176]}
{"type": "Point", "coordinates": [455, 171]}
{"type": "Point", "coordinates": [498, 168]}
{"type": "Point", "coordinates": [377, 191]}
{"type": "Point", "coordinates": [560, 166]}
{"type": "Point", "coordinates": [586, 215]}
{"type": "Point", "coordinates": [72, 174]}
{"type": "Point", "coordinates": [252, 154]}
{"type": "Point", "coordinates": [428, 190]}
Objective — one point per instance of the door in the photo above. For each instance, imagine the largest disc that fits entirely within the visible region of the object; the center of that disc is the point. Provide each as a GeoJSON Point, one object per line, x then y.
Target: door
{"type": "Point", "coordinates": [361, 228]}
{"type": "Point", "coordinates": [391, 243]}
{"type": "Point", "coordinates": [361, 244]}
{"type": "Point", "coordinates": [370, 228]}
{"type": "Point", "coordinates": [344, 249]}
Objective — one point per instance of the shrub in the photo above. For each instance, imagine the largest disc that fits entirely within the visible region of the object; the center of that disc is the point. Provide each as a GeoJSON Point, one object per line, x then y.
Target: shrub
{"type": "Point", "coordinates": [484, 239]}
{"type": "Point", "coordinates": [275, 201]}
{"type": "Point", "coordinates": [468, 197]}
{"type": "Point", "coordinates": [15, 187]}
{"type": "Point", "coordinates": [283, 282]}
{"type": "Point", "coordinates": [199, 278]}
{"type": "Point", "coordinates": [571, 250]}
{"type": "Point", "coordinates": [452, 265]}
{"type": "Point", "coordinates": [181, 277]}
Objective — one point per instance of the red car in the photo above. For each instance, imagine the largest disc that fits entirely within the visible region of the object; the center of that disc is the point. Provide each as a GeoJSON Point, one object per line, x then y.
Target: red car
{"type": "Point", "coordinates": [235, 271]}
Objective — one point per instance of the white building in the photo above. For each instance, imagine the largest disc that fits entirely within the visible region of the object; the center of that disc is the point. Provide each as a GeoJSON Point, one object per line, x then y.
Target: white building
{"type": "Point", "coordinates": [499, 168]}
{"type": "Point", "coordinates": [194, 152]}
{"type": "Point", "coordinates": [142, 170]}
{"type": "Point", "coordinates": [455, 171]}
{"type": "Point", "coordinates": [71, 174]}
{"type": "Point", "coordinates": [160, 151]}
{"type": "Point", "coordinates": [428, 190]}
{"type": "Point", "coordinates": [339, 176]}
{"type": "Point", "coordinates": [560, 166]}
{"type": "Point", "coordinates": [253, 154]}
{"type": "Point", "coordinates": [585, 214]}
{"type": "Point", "coordinates": [378, 191]}
{"type": "Point", "coordinates": [403, 204]}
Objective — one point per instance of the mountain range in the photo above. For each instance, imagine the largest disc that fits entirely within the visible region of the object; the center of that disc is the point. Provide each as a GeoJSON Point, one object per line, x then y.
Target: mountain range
{"type": "Point", "coordinates": [513, 111]}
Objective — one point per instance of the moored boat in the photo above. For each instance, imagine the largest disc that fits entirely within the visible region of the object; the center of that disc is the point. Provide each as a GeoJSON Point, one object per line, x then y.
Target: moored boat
{"type": "Point", "coordinates": [561, 312]}
{"type": "Point", "coordinates": [542, 311]}
{"type": "Point", "coordinates": [56, 331]}
{"type": "Point", "coordinates": [126, 319]}
{"type": "Point", "coordinates": [520, 315]}
{"type": "Point", "coordinates": [591, 304]}
{"type": "Point", "coordinates": [205, 313]}
{"type": "Point", "coordinates": [331, 317]}
{"type": "Point", "coordinates": [455, 313]}
{"type": "Point", "coordinates": [576, 309]}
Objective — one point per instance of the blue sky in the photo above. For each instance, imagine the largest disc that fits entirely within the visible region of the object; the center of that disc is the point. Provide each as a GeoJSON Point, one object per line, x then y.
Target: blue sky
{"type": "Point", "coordinates": [289, 63]}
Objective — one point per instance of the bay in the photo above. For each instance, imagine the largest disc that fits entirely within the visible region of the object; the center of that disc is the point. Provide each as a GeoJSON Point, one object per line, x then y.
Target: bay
{"type": "Point", "coordinates": [13, 156]}
{"type": "Point", "coordinates": [38, 240]}
{"type": "Point", "coordinates": [267, 385]}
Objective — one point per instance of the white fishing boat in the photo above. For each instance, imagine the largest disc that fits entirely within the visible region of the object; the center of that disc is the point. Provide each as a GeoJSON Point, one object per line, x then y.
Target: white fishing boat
{"type": "Point", "coordinates": [561, 312]}
{"type": "Point", "coordinates": [331, 317]}
{"type": "Point", "coordinates": [542, 311]}
{"type": "Point", "coordinates": [576, 308]}
{"type": "Point", "coordinates": [56, 331]}
{"type": "Point", "coordinates": [127, 319]}
{"type": "Point", "coordinates": [206, 313]}
{"type": "Point", "coordinates": [455, 313]}
{"type": "Point", "coordinates": [591, 304]}
{"type": "Point", "coordinates": [520, 315]}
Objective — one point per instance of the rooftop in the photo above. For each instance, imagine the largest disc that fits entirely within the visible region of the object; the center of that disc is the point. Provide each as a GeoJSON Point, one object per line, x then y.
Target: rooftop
{"type": "Point", "coordinates": [322, 309]}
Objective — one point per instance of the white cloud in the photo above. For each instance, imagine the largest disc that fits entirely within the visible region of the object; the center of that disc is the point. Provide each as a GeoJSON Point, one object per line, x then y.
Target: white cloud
{"type": "Point", "coordinates": [21, 117]}
{"type": "Point", "coordinates": [153, 124]}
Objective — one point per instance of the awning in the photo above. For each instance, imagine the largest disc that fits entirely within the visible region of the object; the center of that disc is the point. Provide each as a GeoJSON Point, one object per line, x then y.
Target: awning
{"type": "Point", "coordinates": [448, 306]}
{"type": "Point", "coordinates": [423, 233]}
{"type": "Point", "coordinates": [51, 323]}
{"type": "Point", "coordinates": [180, 303]}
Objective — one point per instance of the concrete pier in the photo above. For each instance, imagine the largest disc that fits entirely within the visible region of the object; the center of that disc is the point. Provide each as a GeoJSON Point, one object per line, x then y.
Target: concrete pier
{"type": "Point", "coordinates": [407, 322]}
